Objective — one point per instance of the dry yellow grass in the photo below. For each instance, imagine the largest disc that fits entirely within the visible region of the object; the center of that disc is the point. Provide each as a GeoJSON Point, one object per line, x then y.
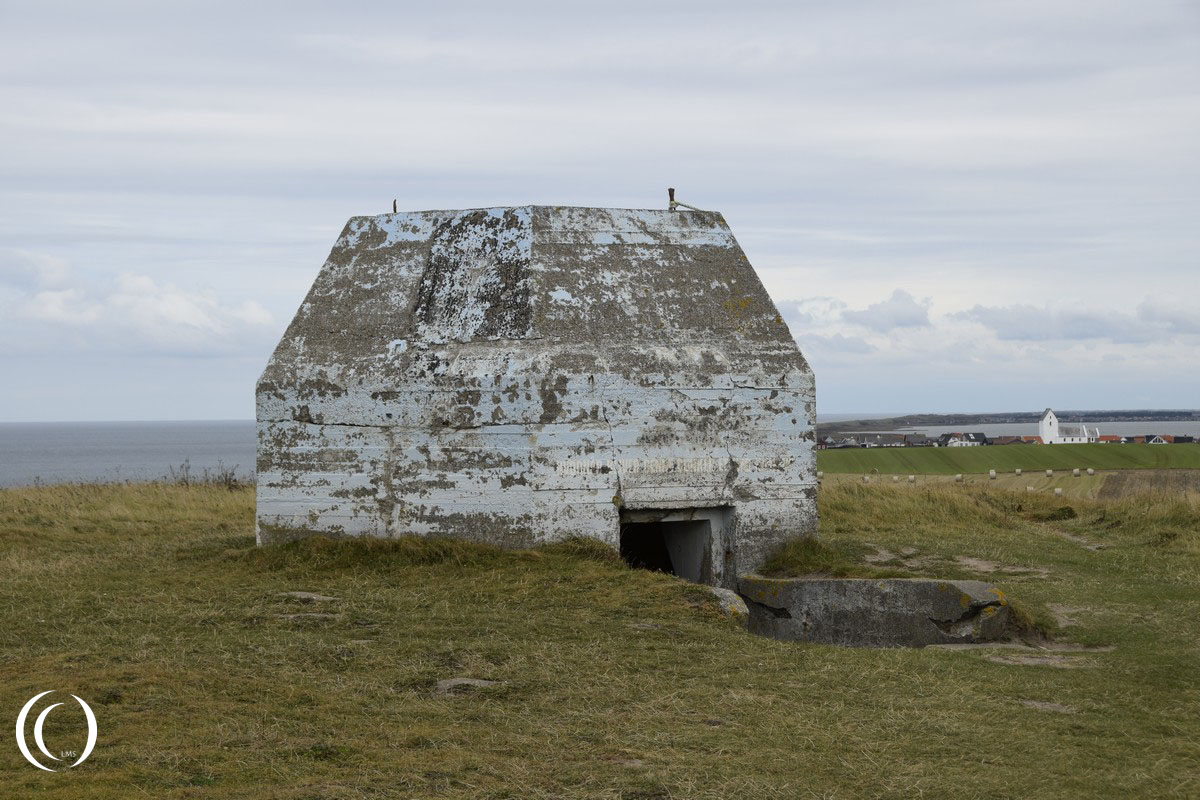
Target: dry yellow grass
{"type": "Point", "coordinates": [152, 603]}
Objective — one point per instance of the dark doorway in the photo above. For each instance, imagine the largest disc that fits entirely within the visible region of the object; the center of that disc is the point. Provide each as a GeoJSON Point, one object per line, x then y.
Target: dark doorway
{"type": "Point", "coordinates": [680, 548]}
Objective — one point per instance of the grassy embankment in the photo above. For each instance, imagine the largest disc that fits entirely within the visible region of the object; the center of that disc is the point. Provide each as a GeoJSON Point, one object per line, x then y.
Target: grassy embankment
{"type": "Point", "coordinates": [152, 603]}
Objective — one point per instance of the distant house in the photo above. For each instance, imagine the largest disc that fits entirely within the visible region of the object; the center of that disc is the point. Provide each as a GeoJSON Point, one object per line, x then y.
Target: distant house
{"type": "Point", "coordinates": [962, 440]}
{"type": "Point", "coordinates": [919, 440]}
{"type": "Point", "coordinates": [881, 440]}
{"type": "Point", "coordinates": [1015, 440]}
{"type": "Point", "coordinates": [1054, 432]}
{"type": "Point", "coordinates": [1109, 438]}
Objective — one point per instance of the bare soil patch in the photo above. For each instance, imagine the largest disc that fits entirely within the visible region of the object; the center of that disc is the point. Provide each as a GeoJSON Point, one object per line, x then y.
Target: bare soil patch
{"type": "Point", "coordinates": [983, 565]}
{"type": "Point", "coordinates": [1042, 660]}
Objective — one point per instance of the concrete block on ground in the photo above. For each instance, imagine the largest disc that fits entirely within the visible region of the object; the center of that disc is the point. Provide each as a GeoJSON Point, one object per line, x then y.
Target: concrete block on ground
{"type": "Point", "coordinates": [893, 612]}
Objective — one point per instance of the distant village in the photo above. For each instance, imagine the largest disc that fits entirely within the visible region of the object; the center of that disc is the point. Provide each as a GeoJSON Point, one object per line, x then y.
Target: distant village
{"type": "Point", "coordinates": [1050, 431]}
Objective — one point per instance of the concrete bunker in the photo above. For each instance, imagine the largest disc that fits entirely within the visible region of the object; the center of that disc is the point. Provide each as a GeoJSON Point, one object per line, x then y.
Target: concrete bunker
{"type": "Point", "coordinates": [527, 374]}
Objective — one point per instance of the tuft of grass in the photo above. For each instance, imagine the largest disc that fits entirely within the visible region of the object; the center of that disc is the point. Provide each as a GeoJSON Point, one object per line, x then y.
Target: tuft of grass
{"type": "Point", "coordinates": [1055, 514]}
{"type": "Point", "coordinates": [1166, 520]}
{"type": "Point", "coordinates": [812, 557]}
{"type": "Point", "coordinates": [327, 553]}
{"type": "Point", "coordinates": [1035, 625]}
{"type": "Point", "coordinates": [585, 548]}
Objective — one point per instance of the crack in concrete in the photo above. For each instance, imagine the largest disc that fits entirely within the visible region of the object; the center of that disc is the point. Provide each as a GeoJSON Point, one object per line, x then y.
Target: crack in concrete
{"type": "Point", "coordinates": [389, 485]}
{"type": "Point", "coordinates": [778, 613]}
{"type": "Point", "coordinates": [965, 623]}
{"type": "Point", "coordinates": [612, 442]}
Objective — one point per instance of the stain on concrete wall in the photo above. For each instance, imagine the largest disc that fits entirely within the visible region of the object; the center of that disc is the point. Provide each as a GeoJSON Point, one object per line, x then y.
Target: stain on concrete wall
{"type": "Point", "coordinates": [518, 375]}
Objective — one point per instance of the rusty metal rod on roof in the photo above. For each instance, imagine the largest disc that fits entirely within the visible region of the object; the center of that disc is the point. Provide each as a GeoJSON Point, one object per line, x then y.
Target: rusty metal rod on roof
{"type": "Point", "coordinates": [673, 204]}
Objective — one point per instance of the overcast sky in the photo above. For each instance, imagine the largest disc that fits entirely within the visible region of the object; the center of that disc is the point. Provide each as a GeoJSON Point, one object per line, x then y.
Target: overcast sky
{"type": "Point", "coordinates": [958, 206]}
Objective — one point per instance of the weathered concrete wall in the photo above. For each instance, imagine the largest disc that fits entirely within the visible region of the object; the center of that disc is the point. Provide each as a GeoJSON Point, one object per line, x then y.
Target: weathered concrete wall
{"type": "Point", "coordinates": [521, 374]}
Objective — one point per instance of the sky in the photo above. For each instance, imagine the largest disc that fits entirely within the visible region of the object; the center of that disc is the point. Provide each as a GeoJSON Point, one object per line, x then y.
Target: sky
{"type": "Point", "coordinates": [956, 206]}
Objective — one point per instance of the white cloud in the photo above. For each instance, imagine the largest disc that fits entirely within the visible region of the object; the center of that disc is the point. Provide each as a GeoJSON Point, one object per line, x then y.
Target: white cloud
{"type": "Point", "coordinates": [901, 310]}
{"type": "Point", "coordinates": [20, 269]}
{"type": "Point", "coordinates": [1032, 324]}
{"type": "Point", "coordinates": [133, 314]}
{"type": "Point", "coordinates": [817, 347]}
{"type": "Point", "coordinates": [61, 306]}
{"type": "Point", "coordinates": [811, 311]}
{"type": "Point", "coordinates": [1172, 318]}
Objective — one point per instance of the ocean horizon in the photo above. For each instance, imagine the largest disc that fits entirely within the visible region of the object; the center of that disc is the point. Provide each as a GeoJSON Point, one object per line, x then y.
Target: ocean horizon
{"type": "Point", "coordinates": [118, 452]}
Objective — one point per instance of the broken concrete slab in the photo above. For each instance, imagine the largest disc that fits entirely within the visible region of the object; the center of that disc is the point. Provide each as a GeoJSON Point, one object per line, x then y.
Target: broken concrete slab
{"type": "Point", "coordinates": [892, 612]}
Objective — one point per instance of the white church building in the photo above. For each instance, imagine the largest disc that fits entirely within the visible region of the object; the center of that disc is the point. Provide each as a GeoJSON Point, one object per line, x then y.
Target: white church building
{"type": "Point", "coordinates": [1052, 431]}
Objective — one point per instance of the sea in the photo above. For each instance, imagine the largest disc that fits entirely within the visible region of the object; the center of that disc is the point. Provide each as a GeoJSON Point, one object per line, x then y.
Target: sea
{"type": "Point", "coordinates": [116, 452]}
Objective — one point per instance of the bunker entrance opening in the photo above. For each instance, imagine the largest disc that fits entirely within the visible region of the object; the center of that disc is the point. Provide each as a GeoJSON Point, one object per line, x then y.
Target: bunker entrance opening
{"type": "Point", "coordinates": [682, 548]}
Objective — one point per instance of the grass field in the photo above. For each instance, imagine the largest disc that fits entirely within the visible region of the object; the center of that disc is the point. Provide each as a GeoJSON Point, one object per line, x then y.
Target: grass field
{"type": "Point", "coordinates": [1006, 458]}
{"type": "Point", "coordinates": [152, 603]}
{"type": "Point", "coordinates": [1113, 484]}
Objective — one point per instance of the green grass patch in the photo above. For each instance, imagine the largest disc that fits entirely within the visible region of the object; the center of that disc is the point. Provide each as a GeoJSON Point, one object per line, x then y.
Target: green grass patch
{"type": "Point", "coordinates": [800, 558]}
{"type": "Point", "coordinates": [152, 603]}
{"type": "Point", "coordinates": [1006, 458]}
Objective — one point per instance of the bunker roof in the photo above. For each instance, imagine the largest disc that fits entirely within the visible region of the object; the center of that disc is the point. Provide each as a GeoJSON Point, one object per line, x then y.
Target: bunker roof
{"type": "Point", "coordinates": [636, 290]}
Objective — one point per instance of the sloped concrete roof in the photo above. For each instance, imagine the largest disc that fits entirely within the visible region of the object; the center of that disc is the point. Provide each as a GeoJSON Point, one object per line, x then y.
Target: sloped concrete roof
{"type": "Point", "coordinates": [426, 296]}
